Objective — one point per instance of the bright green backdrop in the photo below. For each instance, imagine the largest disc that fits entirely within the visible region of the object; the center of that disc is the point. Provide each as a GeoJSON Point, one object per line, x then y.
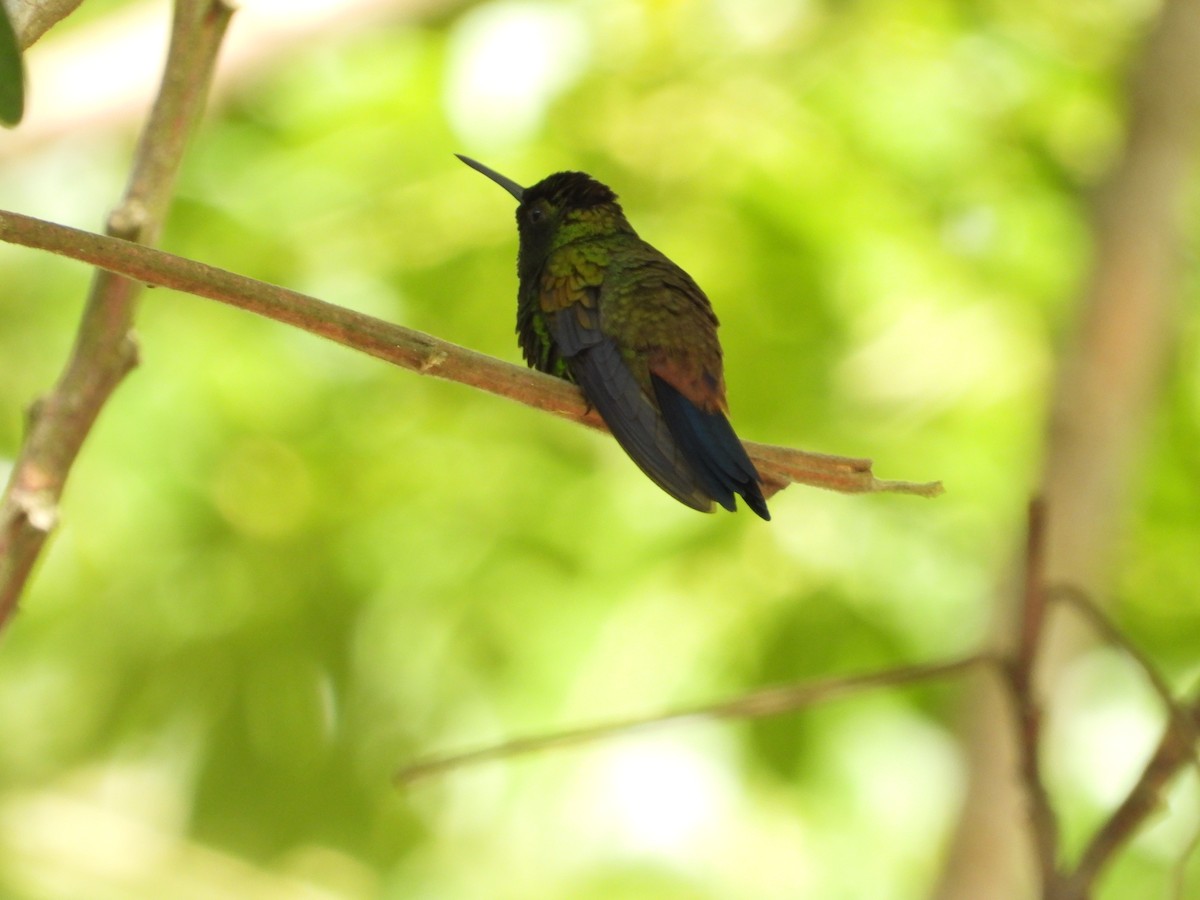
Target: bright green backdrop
{"type": "Point", "coordinates": [284, 569]}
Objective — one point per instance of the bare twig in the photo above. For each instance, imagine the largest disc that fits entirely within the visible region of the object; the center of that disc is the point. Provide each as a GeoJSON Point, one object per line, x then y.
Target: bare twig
{"type": "Point", "coordinates": [755, 705]}
{"type": "Point", "coordinates": [414, 350]}
{"type": "Point", "coordinates": [1042, 819]}
{"type": "Point", "coordinates": [1033, 595]}
{"type": "Point", "coordinates": [1176, 749]}
{"type": "Point", "coordinates": [104, 349]}
{"type": "Point", "coordinates": [1108, 631]}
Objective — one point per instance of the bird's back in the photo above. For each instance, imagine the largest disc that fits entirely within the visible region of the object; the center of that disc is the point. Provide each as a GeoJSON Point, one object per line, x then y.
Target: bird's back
{"type": "Point", "coordinates": [640, 338]}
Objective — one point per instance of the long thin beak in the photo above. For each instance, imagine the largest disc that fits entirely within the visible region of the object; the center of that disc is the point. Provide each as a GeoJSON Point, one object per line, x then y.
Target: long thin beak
{"type": "Point", "coordinates": [507, 183]}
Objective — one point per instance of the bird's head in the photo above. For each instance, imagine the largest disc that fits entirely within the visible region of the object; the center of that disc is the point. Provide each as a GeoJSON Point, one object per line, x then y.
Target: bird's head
{"type": "Point", "coordinates": [558, 210]}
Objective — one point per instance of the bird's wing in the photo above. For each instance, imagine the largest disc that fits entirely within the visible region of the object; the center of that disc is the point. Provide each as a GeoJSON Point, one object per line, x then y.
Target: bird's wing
{"type": "Point", "coordinates": [597, 365]}
{"type": "Point", "coordinates": [677, 336]}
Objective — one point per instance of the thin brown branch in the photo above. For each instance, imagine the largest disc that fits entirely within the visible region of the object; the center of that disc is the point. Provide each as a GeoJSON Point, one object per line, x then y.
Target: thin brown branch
{"type": "Point", "coordinates": [1176, 749]}
{"type": "Point", "coordinates": [1042, 819]}
{"type": "Point", "coordinates": [410, 349]}
{"type": "Point", "coordinates": [1033, 594]}
{"type": "Point", "coordinates": [104, 350]}
{"type": "Point", "coordinates": [754, 705]}
{"type": "Point", "coordinates": [1109, 632]}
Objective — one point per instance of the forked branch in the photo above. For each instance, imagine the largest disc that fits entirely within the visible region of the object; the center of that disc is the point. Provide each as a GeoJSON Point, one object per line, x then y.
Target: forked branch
{"type": "Point", "coordinates": [104, 350]}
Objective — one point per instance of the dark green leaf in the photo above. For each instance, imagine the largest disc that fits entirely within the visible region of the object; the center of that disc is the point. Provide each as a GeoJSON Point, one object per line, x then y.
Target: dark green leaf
{"type": "Point", "coordinates": [12, 74]}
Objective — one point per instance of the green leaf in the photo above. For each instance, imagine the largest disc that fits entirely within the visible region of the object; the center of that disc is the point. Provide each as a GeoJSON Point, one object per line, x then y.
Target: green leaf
{"type": "Point", "coordinates": [12, 73]}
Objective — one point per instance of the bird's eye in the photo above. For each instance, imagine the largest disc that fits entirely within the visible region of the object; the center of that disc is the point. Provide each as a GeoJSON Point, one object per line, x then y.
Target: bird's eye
{"type": "Point", "coordinates": [536, 214]}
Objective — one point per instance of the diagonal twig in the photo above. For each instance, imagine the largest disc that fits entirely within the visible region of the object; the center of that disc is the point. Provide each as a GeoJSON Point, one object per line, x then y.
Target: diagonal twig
{"type": "Point", "coordinates": [1176, 749]}
{"type": "Point", "coordinates": [754, 705]}
{"type": "Point", "coordinates": [1108, 630]}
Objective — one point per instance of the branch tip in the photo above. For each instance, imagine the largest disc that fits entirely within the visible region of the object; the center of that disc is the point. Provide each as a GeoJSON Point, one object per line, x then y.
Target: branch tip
{"type": "Point", "coordinates": [926, 489]}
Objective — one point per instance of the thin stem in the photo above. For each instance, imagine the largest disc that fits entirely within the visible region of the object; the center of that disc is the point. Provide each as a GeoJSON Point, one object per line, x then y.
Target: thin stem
{"type": "Point", "coordinates": [1042, 818]}
{"type": "Point", "coordinates": [1108, 631]}
{"type": "Point", "coordinates": [1176, 749]}
{"type": "Point", "coordinates": [754, 705]}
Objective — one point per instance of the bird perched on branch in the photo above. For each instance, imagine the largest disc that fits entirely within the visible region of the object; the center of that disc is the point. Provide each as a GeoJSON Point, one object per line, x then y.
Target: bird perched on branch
{"type": "Point", "coordinates": [599, 306]}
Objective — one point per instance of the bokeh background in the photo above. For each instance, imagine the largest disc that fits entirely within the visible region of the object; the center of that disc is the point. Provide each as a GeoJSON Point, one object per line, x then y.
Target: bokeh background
{"type": "Point", "coordinates": [285, 569]}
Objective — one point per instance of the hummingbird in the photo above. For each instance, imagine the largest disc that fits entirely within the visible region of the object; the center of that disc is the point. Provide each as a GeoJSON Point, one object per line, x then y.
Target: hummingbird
{"type": "Point", "coordinates": [600, 307]}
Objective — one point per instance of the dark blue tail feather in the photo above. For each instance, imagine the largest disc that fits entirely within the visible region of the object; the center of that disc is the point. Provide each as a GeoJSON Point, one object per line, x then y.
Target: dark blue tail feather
{"type": "Point", "coordinates": [712, 449]}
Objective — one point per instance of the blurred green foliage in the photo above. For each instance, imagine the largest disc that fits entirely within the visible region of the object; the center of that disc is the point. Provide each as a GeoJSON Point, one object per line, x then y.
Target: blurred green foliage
{"type": "Point", "coordinates": [284, 569]}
